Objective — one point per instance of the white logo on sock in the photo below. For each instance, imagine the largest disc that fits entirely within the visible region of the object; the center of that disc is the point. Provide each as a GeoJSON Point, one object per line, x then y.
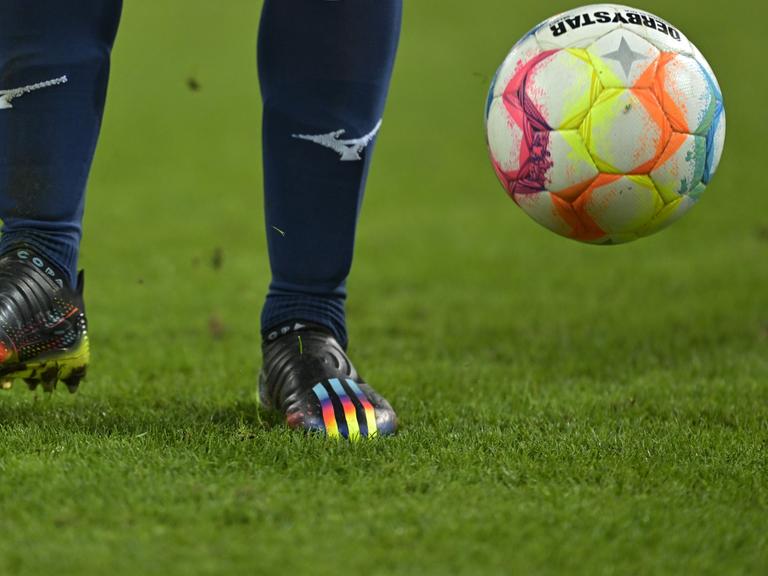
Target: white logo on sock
{"type": "Point", "coordinates": [349, 150]}
{"type": "Point", "coordinates": [7, 95]}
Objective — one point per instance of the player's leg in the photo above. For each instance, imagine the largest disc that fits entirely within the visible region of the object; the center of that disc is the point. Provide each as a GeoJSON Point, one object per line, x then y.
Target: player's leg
{"type": "Point", "coordinates": [54, 65]}
{"type": "Point", "coordinates": [325, 69]}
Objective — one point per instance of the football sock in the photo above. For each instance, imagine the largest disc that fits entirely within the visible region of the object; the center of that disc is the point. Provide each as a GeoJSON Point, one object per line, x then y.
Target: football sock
{"type": "Point", "coordinates": [324, 69]}
{"type": "Point", "coordinates": [54, 65]}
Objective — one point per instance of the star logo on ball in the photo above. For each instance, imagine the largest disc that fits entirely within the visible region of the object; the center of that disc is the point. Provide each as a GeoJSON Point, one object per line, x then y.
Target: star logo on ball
{"type": "Point", "coordinates": [625, 56]}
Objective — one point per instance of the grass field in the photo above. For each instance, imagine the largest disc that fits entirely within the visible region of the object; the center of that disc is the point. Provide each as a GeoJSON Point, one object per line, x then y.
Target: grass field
{"type": "Point", "coordinates": [565, 408]}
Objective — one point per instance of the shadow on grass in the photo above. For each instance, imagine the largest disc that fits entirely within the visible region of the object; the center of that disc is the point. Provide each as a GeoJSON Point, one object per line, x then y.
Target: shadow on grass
{"type": "Point", "coordinates": [110, 415]}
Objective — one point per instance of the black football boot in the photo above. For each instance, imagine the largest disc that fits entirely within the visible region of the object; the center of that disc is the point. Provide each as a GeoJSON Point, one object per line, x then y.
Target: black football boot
{"type": "Point", "coordinates": [43, 331]}
{"type": "Point", "coordinates": [307, 377]}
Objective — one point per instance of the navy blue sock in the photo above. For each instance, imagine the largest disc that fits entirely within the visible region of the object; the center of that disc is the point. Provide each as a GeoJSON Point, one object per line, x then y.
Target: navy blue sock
{"type": "Point", "coordinates": [324, 68]}
{"type": "Point", "coordinates": [57, 54]}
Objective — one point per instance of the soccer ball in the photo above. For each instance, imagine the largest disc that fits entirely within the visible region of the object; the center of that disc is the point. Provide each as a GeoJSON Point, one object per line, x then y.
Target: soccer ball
{"type": "Point", "coordinates": [605, 124]}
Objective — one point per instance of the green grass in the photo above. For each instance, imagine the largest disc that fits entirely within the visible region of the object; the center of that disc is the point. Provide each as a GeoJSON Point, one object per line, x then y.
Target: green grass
{"type": "Point", "coordinates": [565, 408]}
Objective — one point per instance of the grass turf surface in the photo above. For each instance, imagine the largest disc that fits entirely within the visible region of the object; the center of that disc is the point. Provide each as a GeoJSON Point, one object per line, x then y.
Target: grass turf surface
{"type": "Point", "coordinates": [564, 408]}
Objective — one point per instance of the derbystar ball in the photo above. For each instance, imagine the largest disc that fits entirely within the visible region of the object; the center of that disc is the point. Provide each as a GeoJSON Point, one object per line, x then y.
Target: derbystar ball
{"type": "Point", "coordinates": [605, 124]}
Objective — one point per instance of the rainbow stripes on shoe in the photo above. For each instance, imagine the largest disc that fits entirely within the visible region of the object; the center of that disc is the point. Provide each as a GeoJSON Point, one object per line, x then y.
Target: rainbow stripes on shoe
{"type": "Point", "coordinates": [358, 415]}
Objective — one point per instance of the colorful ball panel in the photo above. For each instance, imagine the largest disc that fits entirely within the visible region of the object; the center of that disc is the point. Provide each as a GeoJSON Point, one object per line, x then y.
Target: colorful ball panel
{"type": "Point", "coordinates": [620, 204]}
{"type": "Point", "coordinates": [626, 131]}
{"type": "Point", "coordinates": [681, 167]}
{"type": "Point", "coordinates": [562, 88]}
{"type": "Point", "coordinates": [572, 169]}
{"type": "Point", "coordinates": [523, 52]}
{"type": "Point", "coordinates": [686, 93]}
{"type": "Point", "coordinates": [505, 139]}
{"type": "Point", "coordinates": [699, 57]}
{"type": "Point", "coordinates": [715, 144]}
{"type": "Point", "coordinates": [543, 210]}
{"type": "Point", "coordinates": [670, 214]}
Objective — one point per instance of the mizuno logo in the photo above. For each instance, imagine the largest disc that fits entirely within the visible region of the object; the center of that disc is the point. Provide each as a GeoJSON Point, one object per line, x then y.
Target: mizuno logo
{"type": "Point", "coordinates": [7, 95]}
{"type": "Point", "coordinates": [349, 150]}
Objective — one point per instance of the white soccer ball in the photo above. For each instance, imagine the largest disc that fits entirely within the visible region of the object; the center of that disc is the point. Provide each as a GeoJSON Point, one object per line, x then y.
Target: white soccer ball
{"type": "Point", "coordinates": [605, 124]}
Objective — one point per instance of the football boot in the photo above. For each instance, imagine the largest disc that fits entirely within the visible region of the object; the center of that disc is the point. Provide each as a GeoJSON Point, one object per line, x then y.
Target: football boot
{"type": "Point", "coordinates": [307, 377]}
{"type": "Point", "coordinates": [43, 330]}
